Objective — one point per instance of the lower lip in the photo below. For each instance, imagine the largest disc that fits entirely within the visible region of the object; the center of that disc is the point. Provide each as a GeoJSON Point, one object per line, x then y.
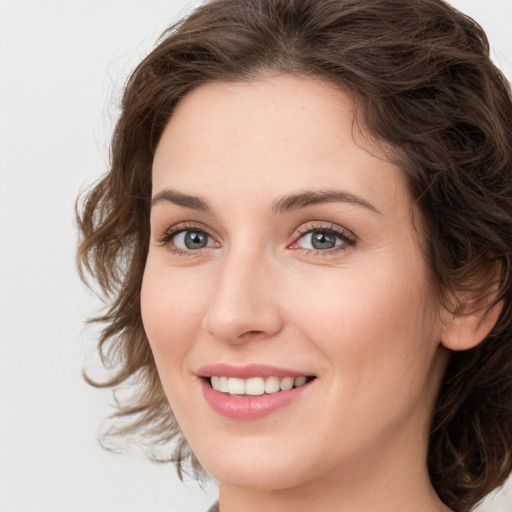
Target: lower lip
{"type": "Point", "coordinates": [249, 407]}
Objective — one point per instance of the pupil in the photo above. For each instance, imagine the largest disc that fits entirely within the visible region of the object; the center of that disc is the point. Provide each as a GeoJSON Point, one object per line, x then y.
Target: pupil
{"type": "Point", "coordinates": [195, 240]}
{"type": "Point", "coordinates": [323, 240]}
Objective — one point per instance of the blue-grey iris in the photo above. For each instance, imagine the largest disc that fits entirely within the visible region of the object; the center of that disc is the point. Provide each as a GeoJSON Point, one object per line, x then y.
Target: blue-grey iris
{"type": "Point", "coordinates": [322, 240]}
{"type": "Point", "coordinates": [195, 239]}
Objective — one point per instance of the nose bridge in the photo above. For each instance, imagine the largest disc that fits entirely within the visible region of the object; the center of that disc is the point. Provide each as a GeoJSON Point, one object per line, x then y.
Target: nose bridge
{"type": "Point", "coordinates": [243, 301]}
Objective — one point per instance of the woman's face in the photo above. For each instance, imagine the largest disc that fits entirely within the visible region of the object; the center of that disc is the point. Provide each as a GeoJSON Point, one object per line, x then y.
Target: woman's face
{"type": "Point", "coordinates": [282, 250]}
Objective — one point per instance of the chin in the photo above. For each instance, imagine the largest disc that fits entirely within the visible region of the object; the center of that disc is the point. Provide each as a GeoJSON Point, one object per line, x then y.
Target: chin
{"type": "Point", "coordinates": [255, 478]}
{"type": "Point", "coordinates": [257, 473]}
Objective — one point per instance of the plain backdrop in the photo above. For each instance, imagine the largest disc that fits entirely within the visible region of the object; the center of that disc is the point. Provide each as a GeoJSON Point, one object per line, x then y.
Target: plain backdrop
{"type": "Point", "coordinates": [62, 67]}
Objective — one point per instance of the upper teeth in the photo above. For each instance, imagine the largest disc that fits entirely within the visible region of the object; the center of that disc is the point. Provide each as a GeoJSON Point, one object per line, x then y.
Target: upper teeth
{"type": "Point", "coordinates": [255, 385]}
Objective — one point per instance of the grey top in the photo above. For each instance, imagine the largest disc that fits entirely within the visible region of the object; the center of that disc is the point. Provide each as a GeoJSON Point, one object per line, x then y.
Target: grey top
{"type": "Point", "coordinates": [214, 507]}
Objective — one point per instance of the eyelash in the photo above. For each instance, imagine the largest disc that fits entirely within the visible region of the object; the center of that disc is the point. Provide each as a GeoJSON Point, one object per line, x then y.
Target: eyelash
{"type": "Point", "coordinates": [347, 239]}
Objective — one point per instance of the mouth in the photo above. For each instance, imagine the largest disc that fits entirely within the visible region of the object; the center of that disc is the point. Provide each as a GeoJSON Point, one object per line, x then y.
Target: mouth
{"type": "Point", "coordinates": [252, 391]}
{"type": "Point", "coordinates": [256, 386]}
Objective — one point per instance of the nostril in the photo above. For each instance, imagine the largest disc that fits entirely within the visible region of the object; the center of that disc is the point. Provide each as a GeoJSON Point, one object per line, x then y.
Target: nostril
{"type": "Point", "coordinates": [250, 334]}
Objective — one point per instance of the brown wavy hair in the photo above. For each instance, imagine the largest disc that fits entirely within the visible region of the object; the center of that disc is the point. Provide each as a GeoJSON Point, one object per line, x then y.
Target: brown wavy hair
{"type": "Point", "coordinates": [425, 86]}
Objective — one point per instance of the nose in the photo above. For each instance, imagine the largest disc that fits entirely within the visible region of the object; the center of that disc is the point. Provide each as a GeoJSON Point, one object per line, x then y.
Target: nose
{"type": "Point", "coordinates": [245, 303]}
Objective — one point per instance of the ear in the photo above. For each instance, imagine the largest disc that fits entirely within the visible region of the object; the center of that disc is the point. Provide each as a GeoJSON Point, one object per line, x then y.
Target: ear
{"type": "Point", "coordinates": [472, 321]}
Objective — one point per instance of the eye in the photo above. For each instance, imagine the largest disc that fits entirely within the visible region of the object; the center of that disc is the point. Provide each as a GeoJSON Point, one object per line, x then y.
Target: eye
{"type": "Point", "coordinates": [324, 239]}
{"type": "Point", "coordinates": [183, 239]}
{"type": "Point", "coordinates": [190, 240]}
{"type": "Point", "coordinates": [319, 240]}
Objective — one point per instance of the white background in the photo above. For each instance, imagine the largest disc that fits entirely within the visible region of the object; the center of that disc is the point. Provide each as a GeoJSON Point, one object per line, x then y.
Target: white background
{"type": "Point", "coordinates": [62, 67]}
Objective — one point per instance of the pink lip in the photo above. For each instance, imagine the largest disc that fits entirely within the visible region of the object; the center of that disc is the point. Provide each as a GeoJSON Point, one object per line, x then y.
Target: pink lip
{"type": "Point", "coordinates": [249, 407]}
{"type": "Point", "coordinates": [248, 371]}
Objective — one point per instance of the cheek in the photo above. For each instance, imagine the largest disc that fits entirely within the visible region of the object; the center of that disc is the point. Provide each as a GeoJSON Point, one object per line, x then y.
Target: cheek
{"type": "Point", "coordinates": [372, 329]}
{"type": "Point", "coordinates": [375, 324]}
{"type": "Point", "coordinates": [170, 314]}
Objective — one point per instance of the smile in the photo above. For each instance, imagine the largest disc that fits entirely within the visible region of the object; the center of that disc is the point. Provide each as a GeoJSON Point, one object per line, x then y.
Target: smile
{"type": "Point", "coordinates": [256, 386]}
{"type": "Point", "coordinates": [242, 394]}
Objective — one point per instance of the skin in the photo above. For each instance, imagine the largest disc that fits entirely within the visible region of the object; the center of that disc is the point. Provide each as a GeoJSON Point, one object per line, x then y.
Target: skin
{"type": "Point", "coordinates": [360, 317]}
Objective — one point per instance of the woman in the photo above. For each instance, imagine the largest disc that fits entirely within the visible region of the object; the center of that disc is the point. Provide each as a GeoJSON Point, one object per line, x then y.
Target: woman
{"type": "Point", "coordinates": [306, 237]}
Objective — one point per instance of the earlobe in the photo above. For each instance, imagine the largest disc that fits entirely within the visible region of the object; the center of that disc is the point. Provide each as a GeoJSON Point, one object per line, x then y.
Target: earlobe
{"type": "Point", "coordinates": [466, 329]}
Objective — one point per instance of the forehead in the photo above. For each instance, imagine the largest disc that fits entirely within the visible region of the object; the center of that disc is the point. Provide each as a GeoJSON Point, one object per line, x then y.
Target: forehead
{"type": "Point", "coordinates": [274, 135]}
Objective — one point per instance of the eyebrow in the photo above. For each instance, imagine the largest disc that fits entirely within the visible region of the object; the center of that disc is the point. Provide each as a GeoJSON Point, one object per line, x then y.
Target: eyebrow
{"type": "Point", "coordinates": [284, 204]}
{"type": "Point", "coordinates": [308, 198]}
{"type": "Point", "coordinates": [188, 201]}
